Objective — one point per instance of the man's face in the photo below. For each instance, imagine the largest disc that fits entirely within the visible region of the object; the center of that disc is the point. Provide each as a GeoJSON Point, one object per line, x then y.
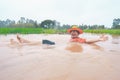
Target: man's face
{"type": "Point", "coordinates": [74, 34]}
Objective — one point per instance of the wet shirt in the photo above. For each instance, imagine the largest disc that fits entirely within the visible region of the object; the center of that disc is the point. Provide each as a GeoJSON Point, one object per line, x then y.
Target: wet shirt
{"type": "Point", "coordinates": [80, 40]}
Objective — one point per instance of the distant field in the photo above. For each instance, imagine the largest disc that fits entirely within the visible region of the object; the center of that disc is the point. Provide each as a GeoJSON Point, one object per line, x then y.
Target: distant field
{"type": "Point", "coordinates": [29, 31]}
{"type": "Point", "coordinates": [52, 31]}
{"type": "Point", "coordinates": [108, 31]}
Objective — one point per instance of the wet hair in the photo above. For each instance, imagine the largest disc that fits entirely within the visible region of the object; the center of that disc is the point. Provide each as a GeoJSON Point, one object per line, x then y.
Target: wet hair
{"type": "Point", "coordinates": [76, 31]}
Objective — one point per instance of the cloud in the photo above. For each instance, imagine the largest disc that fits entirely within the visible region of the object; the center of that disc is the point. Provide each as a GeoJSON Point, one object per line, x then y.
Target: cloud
{"type": "Point", "coordinates": [64, 11]}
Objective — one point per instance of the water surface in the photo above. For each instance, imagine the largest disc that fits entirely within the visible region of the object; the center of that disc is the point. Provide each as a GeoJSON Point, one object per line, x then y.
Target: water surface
{"type": "Point", "coordinates": [64, 61]}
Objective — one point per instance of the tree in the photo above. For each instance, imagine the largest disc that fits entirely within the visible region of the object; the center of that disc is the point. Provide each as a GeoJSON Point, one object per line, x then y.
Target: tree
{"type": "Point", "coordinates": [56, 24]}
{"type": "Point", "coordinates": [2, 23]}
{"type": "Point", "coordinates": [7, 23]}
{"type": "Point", "coordinates": [47, 24]}
{"type": "Point", "coordinates": [36, 25]}
{"type": "Point", "coordinates": [66, 26]}
{"type": "Point", "coordinates": [22, 20]}
{"type": "Point", "coordinates": [116, 24]}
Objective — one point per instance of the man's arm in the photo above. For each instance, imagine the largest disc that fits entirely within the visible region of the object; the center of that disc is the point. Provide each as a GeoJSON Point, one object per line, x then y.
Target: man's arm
{"type": "Point", "coordinates": [102, 38]}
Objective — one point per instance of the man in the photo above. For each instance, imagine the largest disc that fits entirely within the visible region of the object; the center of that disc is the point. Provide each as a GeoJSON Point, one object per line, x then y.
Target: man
{"type": "Point", "coordinates": [22, 41]}
{"type": "Point", "coordinates": [76, 47]}
{"type": "Point", "coordinates": [75, 32]}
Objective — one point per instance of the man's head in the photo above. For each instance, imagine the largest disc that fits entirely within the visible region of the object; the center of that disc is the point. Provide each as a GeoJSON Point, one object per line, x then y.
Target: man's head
{"type": "Point", "coordinates": [74, 34]}
{"type": "Point", "coordinates": [74, 31]}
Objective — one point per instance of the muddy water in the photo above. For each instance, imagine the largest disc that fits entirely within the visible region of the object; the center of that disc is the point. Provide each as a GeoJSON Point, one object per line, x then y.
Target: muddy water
{"type": "Point", "coordinates": [64, 61]}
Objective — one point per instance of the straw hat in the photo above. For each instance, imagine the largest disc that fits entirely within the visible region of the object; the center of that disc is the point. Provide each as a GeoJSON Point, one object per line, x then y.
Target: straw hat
{"type": "Point", "coordinates": [75, 28]}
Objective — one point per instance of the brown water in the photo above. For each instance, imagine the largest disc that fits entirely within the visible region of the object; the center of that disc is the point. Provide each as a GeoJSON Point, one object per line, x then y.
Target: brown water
{"type": "Point", "coordinates": [64, 61]}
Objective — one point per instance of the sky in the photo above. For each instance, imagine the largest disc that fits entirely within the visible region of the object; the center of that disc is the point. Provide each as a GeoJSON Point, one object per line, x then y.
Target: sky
{"type": "Point", "coordinates": [73, 12]}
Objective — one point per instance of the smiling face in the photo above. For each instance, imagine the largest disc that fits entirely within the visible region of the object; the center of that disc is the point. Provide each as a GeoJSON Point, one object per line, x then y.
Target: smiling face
{"type": "Point", "coordinates": [74, 34]}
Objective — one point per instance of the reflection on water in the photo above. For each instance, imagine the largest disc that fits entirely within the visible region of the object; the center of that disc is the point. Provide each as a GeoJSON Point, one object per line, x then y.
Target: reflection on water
{"type": "Point", "coordinates": [97, 47]}
{"type": "Point", "coordinates": [74, 47]}
{"type": "Point", "coordinates": [64, 61]}
{"type": "Point", "coordinates": [115, 39]}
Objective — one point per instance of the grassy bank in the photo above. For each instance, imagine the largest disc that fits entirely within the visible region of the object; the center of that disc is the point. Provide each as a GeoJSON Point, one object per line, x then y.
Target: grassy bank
{"type": "Point", "coordinates": [53, 31]}
{"type": "Point", "coordinates": [107, 31]}
{"type": "Point", "coordinates": [29, 31]}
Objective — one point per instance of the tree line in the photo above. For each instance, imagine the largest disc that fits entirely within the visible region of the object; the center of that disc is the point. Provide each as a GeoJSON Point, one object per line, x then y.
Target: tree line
{"type": "Point", "coordinates": [51, 24]}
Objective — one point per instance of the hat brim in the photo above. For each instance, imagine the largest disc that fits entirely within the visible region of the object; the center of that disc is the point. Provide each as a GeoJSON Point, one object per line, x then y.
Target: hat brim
{"type": "Point", "coordinates": [75, 29]}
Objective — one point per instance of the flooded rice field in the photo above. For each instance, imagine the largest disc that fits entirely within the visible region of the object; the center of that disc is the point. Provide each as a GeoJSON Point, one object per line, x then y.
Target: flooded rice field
{"type": "Point", "coordinates": [63, 61]}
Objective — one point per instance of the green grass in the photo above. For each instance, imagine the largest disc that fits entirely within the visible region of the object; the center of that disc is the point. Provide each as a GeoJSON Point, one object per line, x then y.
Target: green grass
{"type": "Point", "coordinates": [53, 31]}
{"type": "Point", "coordinates": [19, 30]}
{"type": "Point", "coordinates": [107, 31]}
{"type": "Point", "coordinates": [27, 31]}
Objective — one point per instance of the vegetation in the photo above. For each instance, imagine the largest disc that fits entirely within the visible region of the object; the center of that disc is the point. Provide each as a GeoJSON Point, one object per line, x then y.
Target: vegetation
{"type": "Point", "coordinates": [29, 26]}
{"type": "Point", "coordinates": [29, 31]}
{"type": "Point", "coordinates": [116, 24]}
{"type": "Point", "coordinates": [107, 31]}
{"type": "Point", "coordinates": [53, 31]}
